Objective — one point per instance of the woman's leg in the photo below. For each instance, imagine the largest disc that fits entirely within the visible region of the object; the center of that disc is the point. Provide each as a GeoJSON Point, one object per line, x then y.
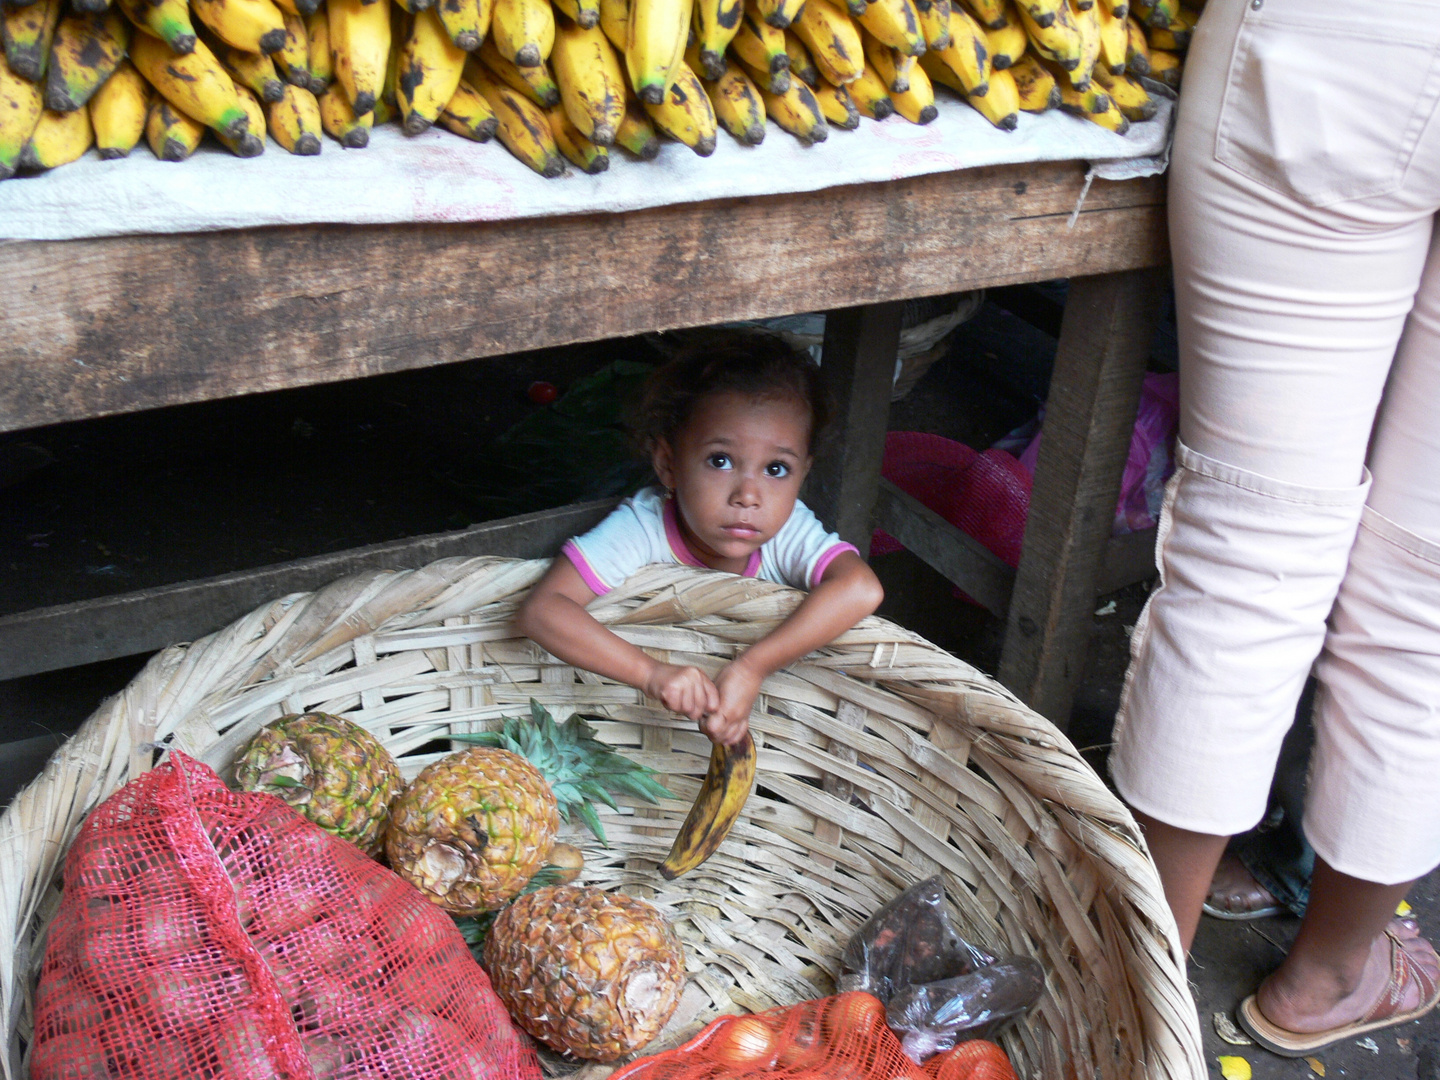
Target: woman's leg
{"type": "Point", "coordinates": [1289, 318]}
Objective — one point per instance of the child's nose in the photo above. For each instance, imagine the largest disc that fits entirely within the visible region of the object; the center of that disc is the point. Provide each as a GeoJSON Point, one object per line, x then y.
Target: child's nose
{"type": "Point", "coordinates": [747, 491]}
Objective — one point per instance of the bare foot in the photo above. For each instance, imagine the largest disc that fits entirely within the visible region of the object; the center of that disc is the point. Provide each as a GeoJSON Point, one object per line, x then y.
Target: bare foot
{"type": "Point", "coordinates": [1235, 891]}
{"type": "Point", "coordinates": [1323, 998]}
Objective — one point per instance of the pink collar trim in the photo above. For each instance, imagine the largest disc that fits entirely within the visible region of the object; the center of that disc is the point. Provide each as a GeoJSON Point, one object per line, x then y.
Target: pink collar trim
{"type": "Point", "coordinates": [681, 550]}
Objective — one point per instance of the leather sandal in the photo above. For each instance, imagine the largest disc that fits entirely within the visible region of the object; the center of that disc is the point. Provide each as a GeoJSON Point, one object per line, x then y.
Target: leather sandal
{"type": "Point", "coordinates": [1384, 1013]}
{"type": "Point", "coordinates": [1256, 901]}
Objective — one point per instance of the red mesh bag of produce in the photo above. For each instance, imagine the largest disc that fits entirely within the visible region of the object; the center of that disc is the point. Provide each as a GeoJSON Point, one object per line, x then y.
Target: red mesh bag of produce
{"type": "Point", "coordinates": [205, 934]}
{"type": "Point", "coordinates": [835, 1038]}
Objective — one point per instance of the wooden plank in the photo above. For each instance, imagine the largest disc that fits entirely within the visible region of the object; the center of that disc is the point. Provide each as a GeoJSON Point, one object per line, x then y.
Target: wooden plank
{"type": "Point", "coordinates": [1105, 339]}
{"type": "Point", "coordinates": [94, 327]}
{"type": "Point", "coordinates": [858, 367]}
{"type": "Point", "coordinates": [1129, 559]}
{"type": "Point", "coordinates": [66, 635]}
{"type": "Point", "coordinates": [962, 559]}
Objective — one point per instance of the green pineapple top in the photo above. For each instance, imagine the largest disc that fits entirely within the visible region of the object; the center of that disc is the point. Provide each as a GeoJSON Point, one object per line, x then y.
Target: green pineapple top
{"type": "Point", "coordinates": [579, 767]}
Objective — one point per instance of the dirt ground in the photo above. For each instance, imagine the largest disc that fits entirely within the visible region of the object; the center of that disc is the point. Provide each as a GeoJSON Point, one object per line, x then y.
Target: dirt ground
{"type": "Point", "coordinates": [120, 504]}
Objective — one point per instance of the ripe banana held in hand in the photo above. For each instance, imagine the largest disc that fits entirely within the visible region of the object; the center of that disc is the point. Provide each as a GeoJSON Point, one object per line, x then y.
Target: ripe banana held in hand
{"type": "Point", "coordinates": [723, 794]}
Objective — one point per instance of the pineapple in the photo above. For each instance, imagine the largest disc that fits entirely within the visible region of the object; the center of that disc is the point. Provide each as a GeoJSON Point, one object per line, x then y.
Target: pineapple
{"type": "Point", "coordinates": [332, 771]}
{"type": "Point", "coordinates": [589, 973]}
{"type": "Point", "coordinates": [474, 827]}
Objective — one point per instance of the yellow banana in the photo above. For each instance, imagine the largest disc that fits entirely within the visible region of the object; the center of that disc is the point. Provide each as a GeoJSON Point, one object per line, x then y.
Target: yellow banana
{"type": "Point", "coordinates": [292, 58]}
{"type": "Point", "coordinates": [802, 66]}
{"type": "Point", "coordinates": [1141, 10]}
{"type": "Point", "coordinates": [1000, 104]}
{"type": "Point", "coordinates": [853, 8]}
{"type": "Point", "coordinates": [584, 154]}
{"type": "Point", "coordinates": [896, 23]}
{"type": "Point", "coordinates": [254, 72]}
{"type": "Point", "coordinates": [172, 135]}
{"type": "Point", "coordinates": [717, 807]}
{"type": "Point", "coordinates": [360, 39]}
{"type": "Point", "coordinates": [934, 22]}
{"type": "Point", "coordinates": [940, 73]}
{"type": "Point", "coordinates": [738, 106]}
{"type": "Point", "coordinates": [294, 121]}
{"type": "Point", "coordinates": [195, 83]}
{"type": "Point", "coordinates": [1007, 43]}
{"type": "Point", "coordinates": [118, 111]}
{"type": "Point", "coordinates": [655, 37]}
{"type": "Point", "coordinates": [762, 49]}
{"type": "Point", "coordinates": [20, 106]}
{"type": "Point", "coordinates": [252, 142]}
{"type": "Point", "coordinates": [833, 40]}
{"type": "Point", "coordinates": [1093, 103]}
{"type": "Point", "coordinates": [968, 56]}
{"type": "Point", "coordinates": [167, 19]}
{"type": "Point", "coordinates": [1060, 41]}
{"type": "Point", "coordinates": [614, 21]}
{"type": "Point", "coordinates": [537, 83]}
{"type": "Point", "coordinates": [414, 7]}
{"type": "Point", "coordinates": [584, 12]}
{"type": "Point", "coordinates": [1116, 9]}
{"type": "Point", "coordinates": [1088, 23]}
{"type": "Point", "coordinates": [636, 133]}
{"type": "Point", "coordinates": [1169, 38]}
{"type": "Point", "coordinates": [256, 26]}
{"type": "Point", "coordinates": [523, 30]}
{"type": "Point", "coordinates": [889, 64]}
{"type": "Point", "coordinates": [685, 114]}
{"type": "Point", "coordinates": [1035, 85]}
{"type": "Point", "coordinates": [467, 21]}
{"type": "Point", "coordinates": [1167, 67]}
{"type": "Point", "coordinates": [468, 114]}
{"type": "Point", "coordinates": [1114, 43]}
{"type": "Point", "coordinates": [837, 105]}
{"type": "Point", "coordinates": [1130, 97]}
{"type": "Point", "coordinates": [86, 50]}
{"type": "Point", "coordinates": [28, 32]}
{"type": "Point", "coordinates": [58, 139]}
{"type": "Point", "coordinates": [338, 119]}
{"type": "Point", "coordinates": [592, 82]}
{"type": "Point", "coordinates": [917, 104]}
{"type": "Point", "coordinates": [763, 80]}
{"type": "Point", "coordinates": [1137, 49]}
{"type": "Point", "coordinates": [321, 59]}
{"type": "Point", "coordinates": [798, 112]}
{"type": "Point", "coordinates": [1164, 13]}
{"type": "Point", "coordinates": [303, 8]}
{"type": "Point", "coordinates": [989, 13]}
{"type": "Point", "coordinates": [1188, 17]}
{"type": "Point", "coordinates": [522, 125]}
{"type": "Point", "coordinates": [430, 69]}
{"type": "Point", "coordinates": [716, 22]}
{"type": "Point", "coordinates": [778, 13]}
{"type": "Point", "coordinates": [387, 105]}
{"type": "Point", "coordinates": [1041, 12]}
{"type": "Point", "coordinates": [870, 96]}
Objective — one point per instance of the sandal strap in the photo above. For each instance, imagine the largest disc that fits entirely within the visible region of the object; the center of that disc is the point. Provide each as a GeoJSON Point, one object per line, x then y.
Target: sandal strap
{"type": "Point", "coordinates": [1403, 971]}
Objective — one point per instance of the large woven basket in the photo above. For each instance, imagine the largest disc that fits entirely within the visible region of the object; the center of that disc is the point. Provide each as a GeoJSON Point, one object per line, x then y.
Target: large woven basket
{"type": "Point", "coordinates": [883, 760]}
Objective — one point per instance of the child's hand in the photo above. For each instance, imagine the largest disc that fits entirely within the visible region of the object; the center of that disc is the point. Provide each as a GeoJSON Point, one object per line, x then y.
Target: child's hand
{"type": "Point", "coordinates": [738, 685]}
{"type": "Point", "coordinates": [686, 690]}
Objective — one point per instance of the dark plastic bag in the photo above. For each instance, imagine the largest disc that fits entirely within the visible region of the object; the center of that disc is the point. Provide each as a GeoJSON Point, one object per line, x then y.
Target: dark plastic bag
{"type": "Point", "coordinates": [933, 1017]}
{"type": "Point", "coordinates": [909, 940]}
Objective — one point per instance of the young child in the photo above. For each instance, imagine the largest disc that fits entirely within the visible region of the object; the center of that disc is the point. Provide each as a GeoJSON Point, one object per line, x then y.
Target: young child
{"type": "Point", "coordinates": [729, 428]}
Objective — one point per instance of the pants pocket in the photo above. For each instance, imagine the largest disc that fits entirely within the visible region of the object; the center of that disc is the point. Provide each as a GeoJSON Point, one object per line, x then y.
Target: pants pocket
{"type": "Point", "coordinates": [1325, 103]}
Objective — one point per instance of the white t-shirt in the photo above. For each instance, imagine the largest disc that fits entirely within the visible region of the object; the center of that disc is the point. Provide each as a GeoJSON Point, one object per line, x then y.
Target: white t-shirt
{"type": "Point", "coordinates": [644, 529]}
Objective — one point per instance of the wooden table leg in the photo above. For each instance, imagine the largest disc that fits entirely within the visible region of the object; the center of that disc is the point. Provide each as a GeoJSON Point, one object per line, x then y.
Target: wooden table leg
{"type": "Point", "coordinates": [858, 365]}
{"type": "Point", "coordinates": [1105, 339]}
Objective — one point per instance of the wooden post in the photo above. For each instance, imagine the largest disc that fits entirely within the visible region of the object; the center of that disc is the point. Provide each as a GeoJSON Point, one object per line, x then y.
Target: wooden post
{"type": "Point", "coordinates": [858, 364]}
{"type": "Point", "coordinates": [1105, 339]}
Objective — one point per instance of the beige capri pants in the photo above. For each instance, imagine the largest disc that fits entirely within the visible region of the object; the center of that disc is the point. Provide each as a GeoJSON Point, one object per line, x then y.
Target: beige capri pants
{"type": "Point", "coordinates": [1302, 527]}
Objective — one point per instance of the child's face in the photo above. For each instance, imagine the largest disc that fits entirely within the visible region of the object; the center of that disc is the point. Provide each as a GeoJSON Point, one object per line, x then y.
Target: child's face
{"type": "Point", "coordinates": [736, 470]}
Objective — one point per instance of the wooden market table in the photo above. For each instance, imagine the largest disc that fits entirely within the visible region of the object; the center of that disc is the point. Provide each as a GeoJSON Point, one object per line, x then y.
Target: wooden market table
{"type": "Point", "coordinates": [104, 326]}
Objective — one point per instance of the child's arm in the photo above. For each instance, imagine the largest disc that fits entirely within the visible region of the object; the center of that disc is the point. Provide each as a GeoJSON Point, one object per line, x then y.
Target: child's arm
{"type": "Point", "coordinates": [554, 617]}
{"type": "Point", "coordinates": [847, 592]}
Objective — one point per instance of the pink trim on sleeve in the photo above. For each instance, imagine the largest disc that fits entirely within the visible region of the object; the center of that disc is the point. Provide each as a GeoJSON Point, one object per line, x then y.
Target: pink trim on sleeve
{"type": "Point", "coordinates": [830, 555]}
{"type": "Point", "coordinates": [678, 547]}
{"type": "Point", "coordinates": [752, 568]}
{"type": "Point", "coordinates": [571, 551]}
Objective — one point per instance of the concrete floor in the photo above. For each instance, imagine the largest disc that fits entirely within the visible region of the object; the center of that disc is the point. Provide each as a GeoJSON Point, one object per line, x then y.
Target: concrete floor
{"type": "Point", "coordinates": [383, 458]}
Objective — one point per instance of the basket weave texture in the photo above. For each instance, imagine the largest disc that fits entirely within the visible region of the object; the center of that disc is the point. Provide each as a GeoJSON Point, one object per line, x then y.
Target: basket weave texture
{"type": "Point", "coordinates": [883, 759]}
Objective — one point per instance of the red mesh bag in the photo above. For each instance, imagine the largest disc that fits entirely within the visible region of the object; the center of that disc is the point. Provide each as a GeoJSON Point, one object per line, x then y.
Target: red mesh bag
{"type": "Point", "coordinates": [205, 934]}
{"type": "Point", "coordinates": [975, 1059]}
{"type": "Point", "coordinates": [835, 1038]}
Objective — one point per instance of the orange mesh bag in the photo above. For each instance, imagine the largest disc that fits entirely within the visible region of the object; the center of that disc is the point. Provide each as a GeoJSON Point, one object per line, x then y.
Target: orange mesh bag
{"type": "Point", "coordinates": [974, 1059]}
{"type": "Point", "coordinates": [205, 934]}
{"type": "Point", "coordinates": [835, 1038]}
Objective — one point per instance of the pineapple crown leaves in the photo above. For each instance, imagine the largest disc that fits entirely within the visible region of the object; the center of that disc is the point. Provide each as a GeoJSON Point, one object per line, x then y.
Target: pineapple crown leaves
{"type": "Point", "coordinates": [476, 928]}
{"type": "Point", "coordinates": [579, 768]}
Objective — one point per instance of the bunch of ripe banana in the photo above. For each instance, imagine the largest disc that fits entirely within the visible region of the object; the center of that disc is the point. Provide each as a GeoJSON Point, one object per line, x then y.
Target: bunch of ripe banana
{"type": "Point", "coordinates": [567, 81]}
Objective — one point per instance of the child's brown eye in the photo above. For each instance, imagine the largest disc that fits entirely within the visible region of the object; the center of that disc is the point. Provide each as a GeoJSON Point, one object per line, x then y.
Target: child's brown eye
{"type": "Point", "coordinates": [777, 469]}
{"type": "Point", "coordinates": [718, 461]}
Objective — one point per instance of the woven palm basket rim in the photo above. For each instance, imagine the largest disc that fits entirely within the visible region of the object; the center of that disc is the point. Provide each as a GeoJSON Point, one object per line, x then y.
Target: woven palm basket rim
{"type": "Point", "coordinates": [883, 759]}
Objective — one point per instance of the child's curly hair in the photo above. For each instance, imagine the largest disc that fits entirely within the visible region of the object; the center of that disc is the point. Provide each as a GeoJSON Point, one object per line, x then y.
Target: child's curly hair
{"type": "Point", "coordinates": [752, 363]}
